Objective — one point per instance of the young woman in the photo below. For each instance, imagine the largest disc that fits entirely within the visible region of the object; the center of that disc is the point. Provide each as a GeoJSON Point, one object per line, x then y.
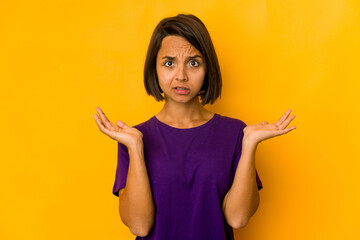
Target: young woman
{"type": "Point", "coordinates": [186, 173]}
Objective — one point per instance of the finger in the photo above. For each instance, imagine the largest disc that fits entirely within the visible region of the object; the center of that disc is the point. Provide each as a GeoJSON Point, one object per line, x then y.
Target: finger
{"type": "Point", "coordinates": [283, 117]}
{"type": "Point", "coordinates": [104, 119]}
{"type": "Point", "coordinates": [102, 128]}
{"type": "Point", "coordinates": [284, 131]}
{"type": "Point", "coordinates": [121, 124]}
{"type": "Point", "coordinates": [99, 123]}
{"type": "Point", "coordinates": [264, 123]}
{"type": "Point", "coordinates": [286, 122]}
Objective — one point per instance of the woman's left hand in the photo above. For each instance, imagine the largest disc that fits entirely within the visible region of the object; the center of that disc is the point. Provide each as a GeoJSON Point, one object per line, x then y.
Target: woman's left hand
{"type": "Point", "coordinates": [258, 132]}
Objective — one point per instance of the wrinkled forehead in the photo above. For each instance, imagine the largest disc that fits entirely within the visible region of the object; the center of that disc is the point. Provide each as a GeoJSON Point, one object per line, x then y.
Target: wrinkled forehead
{"type": "Point", "coordinates": [177, 46]}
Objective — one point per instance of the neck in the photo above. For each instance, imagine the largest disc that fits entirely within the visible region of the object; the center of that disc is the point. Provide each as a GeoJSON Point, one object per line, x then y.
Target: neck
{"type": "Point", "coordinates": [187, 114]}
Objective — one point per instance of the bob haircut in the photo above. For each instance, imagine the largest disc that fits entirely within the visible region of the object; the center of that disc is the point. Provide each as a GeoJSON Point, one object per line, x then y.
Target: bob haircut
{"type": "Point", "coordinates": [194, 31]}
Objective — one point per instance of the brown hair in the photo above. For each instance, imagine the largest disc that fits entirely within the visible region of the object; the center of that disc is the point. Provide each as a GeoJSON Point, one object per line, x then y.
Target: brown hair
{"type": "Point", "coordinates": [194, 31]}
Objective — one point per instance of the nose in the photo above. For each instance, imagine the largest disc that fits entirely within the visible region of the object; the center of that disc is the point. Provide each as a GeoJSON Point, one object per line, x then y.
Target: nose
{"type": "Point", "coordinates": [181, 74]}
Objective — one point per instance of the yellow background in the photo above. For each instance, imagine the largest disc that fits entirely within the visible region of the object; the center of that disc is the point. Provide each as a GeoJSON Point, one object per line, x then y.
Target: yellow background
{"type": "Point", "coordinates": [59, 60]}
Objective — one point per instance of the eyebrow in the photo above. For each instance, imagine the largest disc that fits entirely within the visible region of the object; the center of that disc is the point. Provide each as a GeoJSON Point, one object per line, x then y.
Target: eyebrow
{"type": "Point", "coordinates": [190, 57]}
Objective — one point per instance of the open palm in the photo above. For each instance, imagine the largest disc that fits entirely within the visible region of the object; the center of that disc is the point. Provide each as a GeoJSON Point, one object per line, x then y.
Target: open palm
{"type": "Point", "coordinates": [120, 131]}
{"type": "Point", "coordinates": [264, 130]}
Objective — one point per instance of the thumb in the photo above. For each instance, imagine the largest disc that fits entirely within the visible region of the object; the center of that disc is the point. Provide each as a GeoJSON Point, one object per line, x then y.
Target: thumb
{"type": "Point", "coordinates": [121, 124]}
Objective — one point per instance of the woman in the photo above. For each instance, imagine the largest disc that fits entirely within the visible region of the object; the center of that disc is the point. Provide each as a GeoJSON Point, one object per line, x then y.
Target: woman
{"type": "Point", "coordinates": [186, 173]}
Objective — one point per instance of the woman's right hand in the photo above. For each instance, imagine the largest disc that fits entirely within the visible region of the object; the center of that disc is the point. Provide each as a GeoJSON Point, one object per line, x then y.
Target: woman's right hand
{"type": "Point", "coordinates": [129, 136]}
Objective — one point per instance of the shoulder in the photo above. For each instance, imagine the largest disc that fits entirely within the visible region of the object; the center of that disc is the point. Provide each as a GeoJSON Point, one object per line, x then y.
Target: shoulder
{"type": "Point", "coordinates": [231, 122]}
{"type": "Point", "coordinates": [145, 125]}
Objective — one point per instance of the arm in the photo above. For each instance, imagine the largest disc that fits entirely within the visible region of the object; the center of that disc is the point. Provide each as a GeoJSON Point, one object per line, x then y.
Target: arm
{"type": "Point", "coordinates": [242, 200]}
{"type": "Point", "coordinates": [136, 206]}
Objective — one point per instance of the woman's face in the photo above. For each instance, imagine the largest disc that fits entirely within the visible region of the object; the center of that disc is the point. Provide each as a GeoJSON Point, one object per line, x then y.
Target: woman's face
{"type": "Point", "coordinates": [180, 69]}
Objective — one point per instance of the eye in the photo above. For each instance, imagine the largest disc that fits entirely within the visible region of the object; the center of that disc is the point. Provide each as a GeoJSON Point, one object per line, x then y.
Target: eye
{"type": "Point", "coordinates": [168, 63]}
{"type": "Point", "coordinates": [194, 63]}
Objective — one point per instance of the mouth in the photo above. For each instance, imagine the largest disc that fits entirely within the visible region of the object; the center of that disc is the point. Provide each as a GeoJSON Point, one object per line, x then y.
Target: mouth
{"type": "Point", "coordinates": [181, 90]}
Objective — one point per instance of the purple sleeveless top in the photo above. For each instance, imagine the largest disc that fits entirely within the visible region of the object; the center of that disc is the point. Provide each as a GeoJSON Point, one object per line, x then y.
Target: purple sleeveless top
{"type": "Point", "coordinates": [190, 172]}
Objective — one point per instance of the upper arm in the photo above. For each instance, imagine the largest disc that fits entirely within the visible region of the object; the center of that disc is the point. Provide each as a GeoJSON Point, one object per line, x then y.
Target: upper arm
{"type": "Point", "coordinates": [121, 169]}
{"type": "Point", "coordinates": [120, 195]}
{"type": "Point", "coordinates": [121, 191]}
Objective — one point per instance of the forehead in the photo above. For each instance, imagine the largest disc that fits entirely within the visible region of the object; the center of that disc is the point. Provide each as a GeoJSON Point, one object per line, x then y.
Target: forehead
{"type": "Point", "coordinates": [175, 45]}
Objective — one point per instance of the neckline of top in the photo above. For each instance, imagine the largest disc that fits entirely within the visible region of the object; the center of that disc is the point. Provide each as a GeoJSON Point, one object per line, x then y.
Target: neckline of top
{"type": "Point", "coordinates": [186, 129]}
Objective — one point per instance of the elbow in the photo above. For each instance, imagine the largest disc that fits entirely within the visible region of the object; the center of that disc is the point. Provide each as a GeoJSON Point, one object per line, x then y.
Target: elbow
{"type": "Point", "coordinates": [236, 221]}
{"type": "Point", "coordinates": [140, 228]}
{"type": "Point", "coordinates": [139, 225]}
{"type": "Point", "coordinates": [140, 231]}
{"type": "Point", "coordinates": [239, 223]}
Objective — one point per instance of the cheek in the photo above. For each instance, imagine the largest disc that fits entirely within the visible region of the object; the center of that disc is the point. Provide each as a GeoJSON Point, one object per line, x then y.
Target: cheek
{"type": "Point", "coordinates": [163, 79]}
{"type": "Point", "coordinates": [164, 76]}
{"type": "Point", "coordinates": [200, 76]}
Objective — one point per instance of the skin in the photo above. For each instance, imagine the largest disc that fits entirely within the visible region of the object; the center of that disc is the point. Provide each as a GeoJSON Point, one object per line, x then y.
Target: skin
{"type": "Point", "coordinates": [136, 206]}
{"type": "Point", "coordinates": [242, 200]}
{"type": "Point", "coordinates": [181, 111]}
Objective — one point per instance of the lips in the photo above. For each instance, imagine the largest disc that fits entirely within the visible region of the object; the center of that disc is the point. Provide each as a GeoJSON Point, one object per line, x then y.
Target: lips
{"type": "Point", "coordinates": [181, 90]}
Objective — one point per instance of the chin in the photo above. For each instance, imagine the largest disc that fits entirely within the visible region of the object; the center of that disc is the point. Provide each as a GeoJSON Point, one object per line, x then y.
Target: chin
{"type": "Point", "coordinates": [182, 99]}
{"type": "Point", "coordinates": [186, 100]}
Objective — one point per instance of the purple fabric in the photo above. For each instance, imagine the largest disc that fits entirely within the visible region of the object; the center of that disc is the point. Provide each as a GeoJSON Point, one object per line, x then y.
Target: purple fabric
{"type": "Point", "coordinates": [190, 172]}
